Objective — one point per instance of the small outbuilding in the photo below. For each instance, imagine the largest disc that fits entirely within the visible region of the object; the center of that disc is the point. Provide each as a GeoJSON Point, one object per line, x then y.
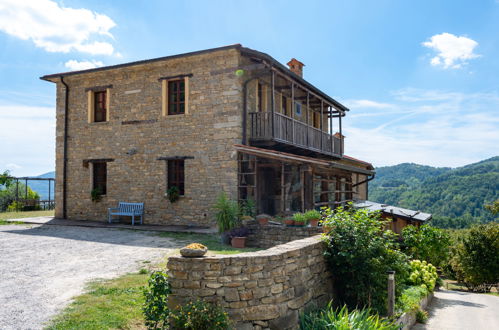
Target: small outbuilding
{"type": "Point", "coordinates": [399, 217]}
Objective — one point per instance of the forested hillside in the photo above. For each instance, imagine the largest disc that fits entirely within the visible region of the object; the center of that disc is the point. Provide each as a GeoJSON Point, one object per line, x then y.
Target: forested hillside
{"type": "Point", "coordinates": [455, 197]}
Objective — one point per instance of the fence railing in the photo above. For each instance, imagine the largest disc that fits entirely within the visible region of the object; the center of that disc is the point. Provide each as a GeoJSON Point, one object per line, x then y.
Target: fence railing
{"type": "Point", "coordinates": [292, 131]}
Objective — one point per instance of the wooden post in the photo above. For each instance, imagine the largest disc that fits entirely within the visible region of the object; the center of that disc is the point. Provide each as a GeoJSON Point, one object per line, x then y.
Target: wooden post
{"type": "Point", "coordinates": [293, 111]}
{"type": "Point", "coordinates": [307, 129]}
{"type": "Point", "coordinates": [391, 294]}
{"type": "Point", "coordinates": [322, 110]}
{"type": "Point", "coordinates": [272, 101]}
{"type": "Point", "coordinates": [331, 128]}
{"type": "Point", "coordinates": [341, 138]}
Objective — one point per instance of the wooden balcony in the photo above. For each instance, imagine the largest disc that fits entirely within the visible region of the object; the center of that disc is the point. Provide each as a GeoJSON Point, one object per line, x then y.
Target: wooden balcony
{"type": "Point", "coordinates": [288, 133]}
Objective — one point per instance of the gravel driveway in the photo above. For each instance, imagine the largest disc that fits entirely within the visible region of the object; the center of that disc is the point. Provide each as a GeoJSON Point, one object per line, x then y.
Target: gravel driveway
{"type": "Point", "coordinates": [462, 310]}
{"type": "Point", "coordinates": [43, 267]}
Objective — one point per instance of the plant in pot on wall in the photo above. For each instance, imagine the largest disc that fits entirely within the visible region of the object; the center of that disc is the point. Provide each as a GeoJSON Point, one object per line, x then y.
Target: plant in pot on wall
{"type": "Point", "coordinates": [313, 217]}
{"type": "Point", "coordinates": [263, 219]}
{"type": "Point", "coordinates": [96, 194]}
{"type": "Point", "coordinates": [227, 216]}
{"type": "Point", "coordinates": [299, 219]}
{"type": "Point", "coordinates": [238, 237]}
{"type": "Point", "coordinates": [173, 194]}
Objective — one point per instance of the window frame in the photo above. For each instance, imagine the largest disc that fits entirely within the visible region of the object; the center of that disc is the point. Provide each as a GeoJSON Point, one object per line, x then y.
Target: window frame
{"type": "Point", "coordinates": [165, 94]}
{"type": "Point", "coordinates": [92, 102]}
{"type": "Point", "coordinates": [99, 181]}
{"type": "Point", "coordinates": [176, 174]}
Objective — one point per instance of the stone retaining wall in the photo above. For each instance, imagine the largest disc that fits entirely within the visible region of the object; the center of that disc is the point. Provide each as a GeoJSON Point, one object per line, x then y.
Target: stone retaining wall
{"type": "Point", "coordinates": [272, 235]}
{"type": "Point", "coordinates": [259, 290]}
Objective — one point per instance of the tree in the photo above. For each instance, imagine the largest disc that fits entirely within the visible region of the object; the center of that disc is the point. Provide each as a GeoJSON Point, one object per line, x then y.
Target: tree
{"type": "Point", "coordinates": [360, 252]}
{"type": "Point", "coordinates": [426, 243]}
{"type": "Point", "coordinates": [493, 207]}
{"type": "Point", "coordinates": [476, 257]}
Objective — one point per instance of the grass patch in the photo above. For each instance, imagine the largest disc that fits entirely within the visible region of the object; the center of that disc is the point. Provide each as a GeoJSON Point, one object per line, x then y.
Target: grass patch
{"type": "Point", "coordinates": [212, 241]}
{"type": "Point", "coordinates": [111, 304]}
{"type": "Point", "coordinates": [19, 215]}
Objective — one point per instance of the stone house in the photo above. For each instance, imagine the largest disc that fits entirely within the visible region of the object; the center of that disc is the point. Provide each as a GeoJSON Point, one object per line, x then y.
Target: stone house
{"type": "Point", "coordinates": [225, 119]}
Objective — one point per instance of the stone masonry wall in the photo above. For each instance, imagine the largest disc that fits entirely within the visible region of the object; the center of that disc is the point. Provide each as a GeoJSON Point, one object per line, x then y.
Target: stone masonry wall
{"type": "Point", "coordinates": [272, 235]}
{"type": "Point", "coordinates": [207, 132]}
{"type": "Point", "coordinates": [267, 289]}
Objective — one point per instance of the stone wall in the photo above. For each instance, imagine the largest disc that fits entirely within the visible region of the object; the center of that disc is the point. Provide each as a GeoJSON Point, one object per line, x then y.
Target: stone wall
{"type": "Point", "coordinates": [259, 290]}
{"type": "Point", "coordinates": [272, 235]}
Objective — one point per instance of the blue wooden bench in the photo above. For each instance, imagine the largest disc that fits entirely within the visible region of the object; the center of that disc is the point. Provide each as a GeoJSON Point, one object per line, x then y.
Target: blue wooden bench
{"type": "Point", "coordinates": [129, 209]}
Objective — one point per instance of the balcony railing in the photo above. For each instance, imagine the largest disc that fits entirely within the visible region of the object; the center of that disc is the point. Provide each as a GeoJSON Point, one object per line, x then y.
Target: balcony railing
{"type": "Point", "coordinates": [294, 132]}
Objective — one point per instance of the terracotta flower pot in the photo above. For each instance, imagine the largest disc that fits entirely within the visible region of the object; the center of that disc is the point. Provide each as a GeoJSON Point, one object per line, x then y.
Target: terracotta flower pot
{"type": "Point", "coordinates": [238, 242]}
{"type": "Point", "coordinates": [299, 224]}
{"type": "Point", "coordinates": [314, 223]}
{"type": "Point", "coordinates": [289, 222]}
{"type": "Point", "coordinates": [263, 221]}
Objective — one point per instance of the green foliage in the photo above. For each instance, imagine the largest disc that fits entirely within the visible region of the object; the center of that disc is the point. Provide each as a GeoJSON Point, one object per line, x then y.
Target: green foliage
{"type": "Point", "coordinates": [421, 316]}
{"type": "Point", "coordinates": [199, 315]}
{"type": "Point", "coordinates": [360, 252]}
{"type": "Point", "coordinates": [5, 179]}
{"type": "Point", "coordinates": [96, 194]}
{"type": "Point", "coordinates": [409, 298]}
{"type": "Point", "coordinates": [155, 309]}
{"type": "Point", "coordinates": [248, 208]}
{"type": "Point", "coordinates": [227, 213]}
{"type": "Point", "coordinates": [493, 207]}
{"type": "Point", "coordinates": [312, 215]}
{"type": "Point", "coordinates": [423, 274]}
{"type": "Point", "coordinates": [8, 198]}
{"type": "Point", "coordinates": [342, 319]}
{"type": "Point", "coordinates": [426, 243]}
{"type": "Point", "coordinates": [475, 259]}
{"type": "Point", "coordinates": [455, 197]}
{"type": "Point", "coordinates": [173, 194]}
{"type": "Point", "coordinates": [300, 218]}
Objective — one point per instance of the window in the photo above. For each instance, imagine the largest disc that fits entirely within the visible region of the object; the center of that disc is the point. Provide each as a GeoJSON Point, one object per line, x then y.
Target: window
{"type": "Point", "coordinates": [100, 176]}
{"type": "Point", "coordinates": [100, 106]}
{"type": "Point", "coordinates": [298, 108]}
{"type": "Point", "coordinates": [98, 103]}
{"type": "Point", "coordinates": [284, 105]}
{"type": "Point", "coordinates": [176, 174]}
{"type": "Point", "coordinates": [176, 97]}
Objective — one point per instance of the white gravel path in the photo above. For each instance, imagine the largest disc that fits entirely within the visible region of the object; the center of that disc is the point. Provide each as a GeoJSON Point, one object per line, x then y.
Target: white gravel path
{"type": "Point", "coordinates": [454, 310]}
{"type": "Point", "coordinates": [43, 267]}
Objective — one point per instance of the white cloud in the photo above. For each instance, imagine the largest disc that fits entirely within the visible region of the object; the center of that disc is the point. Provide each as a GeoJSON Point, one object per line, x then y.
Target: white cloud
{"type": "Point", "coordinates": [75, 65]}
{"type": "Point", "coordinates": [367, 104]}
{"type": "Point", "coordinates": [56, 28]}
{"type": "Point", "coordinates": [427, 127]}
{"type": "Point", "coordinates": [27, 139]}
{"type": "Point", "coordinates": [452, 51]}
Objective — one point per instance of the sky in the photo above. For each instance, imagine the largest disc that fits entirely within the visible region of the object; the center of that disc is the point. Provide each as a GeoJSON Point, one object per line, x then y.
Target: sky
{"type": "Point", "coordinates": [421, 78]}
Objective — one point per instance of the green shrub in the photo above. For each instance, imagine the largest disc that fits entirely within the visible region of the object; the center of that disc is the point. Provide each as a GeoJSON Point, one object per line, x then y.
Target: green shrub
{"type": "Point", "coordinates": [475, 259]}
{"type": "Point", "coordinates": [227, 213]}
{"type": "Point", "coordinates": [423, 274]}
{"type": "Point", "coordinates": [96, 194]}
{"type": "Point", "coordinates": [330, 318]}
{"type": "Point", "coordinates": [360, 252]}
{"type": "Point", "coordinates": [410, 298]}
{"type": "Point", "coordinates": [199, 315]}
{"type": "Point", "coordinates": [300, 218]}
{"type": "Point", "coordinates": [312, 215]}
{"type": "Point", "coordinates": [155, 309]}
{"type": "Point", "coordinates": [248, 208]}
{"type": "Point", "coordinates": [427, 243]}
{"type": "Point", "coordinates": [421, 316]}
{"type": "Point", "coordinates": [173, 194]}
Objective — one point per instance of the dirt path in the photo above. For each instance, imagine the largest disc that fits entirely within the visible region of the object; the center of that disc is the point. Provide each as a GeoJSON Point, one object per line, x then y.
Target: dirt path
{"type": "Point", "coordinates": [43, 267]}
{"type": "Point", "coordinates": [462, 310]}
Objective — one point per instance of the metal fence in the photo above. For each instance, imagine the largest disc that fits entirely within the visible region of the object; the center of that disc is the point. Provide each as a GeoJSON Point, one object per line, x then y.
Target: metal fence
{"type": "Point", "coordinates": [25, 202]}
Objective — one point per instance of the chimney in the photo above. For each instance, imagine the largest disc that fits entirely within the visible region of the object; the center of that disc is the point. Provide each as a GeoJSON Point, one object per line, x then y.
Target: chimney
{"type": "Point", "coordinates": [296, 66]}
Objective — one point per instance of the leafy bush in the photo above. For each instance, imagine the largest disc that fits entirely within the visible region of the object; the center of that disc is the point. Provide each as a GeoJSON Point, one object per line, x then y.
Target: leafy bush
{"type": "Point", "coordinates": [423, 274]}
{"type": "Point", "coordinates": [330, 318]}
{"type": "Point", "coordinates": [475, 258]}
{"type": "Point", "coordinates": [360, 252]}
{"type": "Point", "coordinates": [239, 232]}
{"type": "Point", "coordinates": [227, 213]}
{"type": "Point", "coordinates": [96, 194]}
{"type": "Point", "coordinates": [173, 194]}
{"type": "Point", "coordinates": [199, 315]}
{"type": "Point", "coordinates": [421, 315]}
{"type": "Point", "coordinates": [300, 218]}
{"type": "Point", "coordinates": [155, 309]}
{"type": "Point", "coordinates": [312, 215]}
{"type": "Point", "coordinates": [410, 298]}
{"type": "Point", "coordinates": [248, 208]}
{"type": "Point", "coordinates": [426, 243]}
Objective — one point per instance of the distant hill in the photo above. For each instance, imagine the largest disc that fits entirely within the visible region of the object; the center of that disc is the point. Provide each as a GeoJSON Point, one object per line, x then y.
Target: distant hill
{"type": "Point", "coordinates": [455, 197]}
{"type": "Point", "coordinates": [42, 187]}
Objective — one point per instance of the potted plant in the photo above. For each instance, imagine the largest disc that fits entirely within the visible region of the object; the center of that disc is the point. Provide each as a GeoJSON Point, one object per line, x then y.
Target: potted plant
{"type": "Point", "coordinates": [263, 219]}
{"type": "Point", "coordinates": [173, 194]}
{"type": "Point", "coordinates": [96, 194]}
{"type": "Point", "coordinates": [288, 221]}
{"type": "Point", "coordinates": [227, 213]}
{"type": "Point", "coordinates": [299, 219]}
{"type": "Point", "coordinates": [238, 237]}
{"type": "Point", "coordinates": [313, 217]}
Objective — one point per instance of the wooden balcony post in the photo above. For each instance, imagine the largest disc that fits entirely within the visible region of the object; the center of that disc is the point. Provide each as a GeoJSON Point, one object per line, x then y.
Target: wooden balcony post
{"type": "Point", "coordinates": [341, 137]}
{"type": "Point", "coordinates": [272, 102]}
{"type": "Point", "coordinates": [308, 113]}
{"type": "Point", "coordinates": [331, 128]}
{"type": "Point", "coordinates": [293, 111]}
{"type": "Point", "coordinates": [322, 133]}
